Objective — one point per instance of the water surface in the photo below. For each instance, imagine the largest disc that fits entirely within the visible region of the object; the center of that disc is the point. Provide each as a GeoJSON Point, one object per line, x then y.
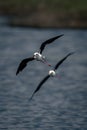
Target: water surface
{"type": "Point", "coordinates": [61, 103]}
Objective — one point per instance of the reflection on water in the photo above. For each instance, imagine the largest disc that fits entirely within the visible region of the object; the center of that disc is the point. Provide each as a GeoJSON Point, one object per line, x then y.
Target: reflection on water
{"type": "Point", "coordinates": [61, 103]}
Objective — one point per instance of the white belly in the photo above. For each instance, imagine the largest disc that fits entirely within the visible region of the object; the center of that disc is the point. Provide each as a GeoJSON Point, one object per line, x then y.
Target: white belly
{"type": "Point", "coordinates": [52, 73]}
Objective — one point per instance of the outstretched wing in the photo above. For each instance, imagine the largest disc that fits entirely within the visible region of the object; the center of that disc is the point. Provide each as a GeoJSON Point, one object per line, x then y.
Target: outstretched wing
{"type": "Point", "coordinates": [61, 61]}
{"type": "Point", "coordinates": [48, 42]}
{"type": "Point", "coordinates": [23, 64]}
{"type": "Point", "coordinates": [39, 86]}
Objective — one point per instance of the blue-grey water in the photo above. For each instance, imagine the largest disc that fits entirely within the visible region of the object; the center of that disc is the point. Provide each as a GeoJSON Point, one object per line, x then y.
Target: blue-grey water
{"type": "Point", "coordinates": [61, 103]}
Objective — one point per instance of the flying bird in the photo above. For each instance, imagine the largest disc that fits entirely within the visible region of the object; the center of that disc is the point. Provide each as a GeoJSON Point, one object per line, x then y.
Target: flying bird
{"type": "Point", "coordinates": [51, 73]}
{"type": "Point", "coordinates": [37, 55]}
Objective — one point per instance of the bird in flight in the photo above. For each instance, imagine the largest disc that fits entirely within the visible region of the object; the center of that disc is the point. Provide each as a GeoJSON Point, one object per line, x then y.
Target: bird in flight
{"type": "Point", "coordinates": [52, 73]}
{"type": "Point", "coordinates": [37, 55]}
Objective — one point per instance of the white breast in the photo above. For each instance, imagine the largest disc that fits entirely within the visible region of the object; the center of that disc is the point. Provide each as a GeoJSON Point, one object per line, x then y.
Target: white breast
{"type": "Point", "coordinates": [52, 73]}
{"type": "Point", "coordinates": [38, 56]}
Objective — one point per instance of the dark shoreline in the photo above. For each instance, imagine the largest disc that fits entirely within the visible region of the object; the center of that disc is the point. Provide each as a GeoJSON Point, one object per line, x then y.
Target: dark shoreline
{"type": "Point", "coordinates": [37, 27]}
{"type": "Point", "coordinates": [45, 13]}
{"type": "Point", "coordinates": [51, 23]}
{"type": "Point", "coordinates": [7, 20]}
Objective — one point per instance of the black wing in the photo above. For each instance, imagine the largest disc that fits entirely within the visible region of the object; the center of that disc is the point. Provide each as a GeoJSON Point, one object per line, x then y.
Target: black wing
{"type": "Point", "coordinates": [48, 42]}
{"type": "Point", "coordinates": [61, 61]}
{"type": "Point", "coordinates": [23, 64]}
{"type": "Point", "coordinates": [39, 86]}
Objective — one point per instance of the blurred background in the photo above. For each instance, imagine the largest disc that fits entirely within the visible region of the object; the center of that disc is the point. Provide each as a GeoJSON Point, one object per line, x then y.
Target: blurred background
{"type": "Point", "coordinates": [61, 103]}
{"type": "Point", "coordinates": [45, 13]}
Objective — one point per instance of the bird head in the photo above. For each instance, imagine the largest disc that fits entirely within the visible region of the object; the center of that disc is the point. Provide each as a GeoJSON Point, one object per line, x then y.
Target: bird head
{"type": "Point", "coordinates": [36, 54]}
{"type": "Point", "coordinates": [52, 73]}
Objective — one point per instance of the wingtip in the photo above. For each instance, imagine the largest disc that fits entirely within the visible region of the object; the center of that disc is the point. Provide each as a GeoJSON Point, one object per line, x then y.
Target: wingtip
{"type": "Point", "coordinates": [72, 53]}
{"type": "Point", "coordinates": [31, 97]}
{"type": "Point", "coordinates": [17, 73]}
{"type": "Point", "coordinates": [61, 35]}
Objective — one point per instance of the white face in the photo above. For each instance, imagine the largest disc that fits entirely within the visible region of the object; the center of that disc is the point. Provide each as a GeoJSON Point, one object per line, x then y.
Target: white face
{"type": "Point", "coordinates": [37, 56]}
{"type": "Point", "coordinates": [52, 73]}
